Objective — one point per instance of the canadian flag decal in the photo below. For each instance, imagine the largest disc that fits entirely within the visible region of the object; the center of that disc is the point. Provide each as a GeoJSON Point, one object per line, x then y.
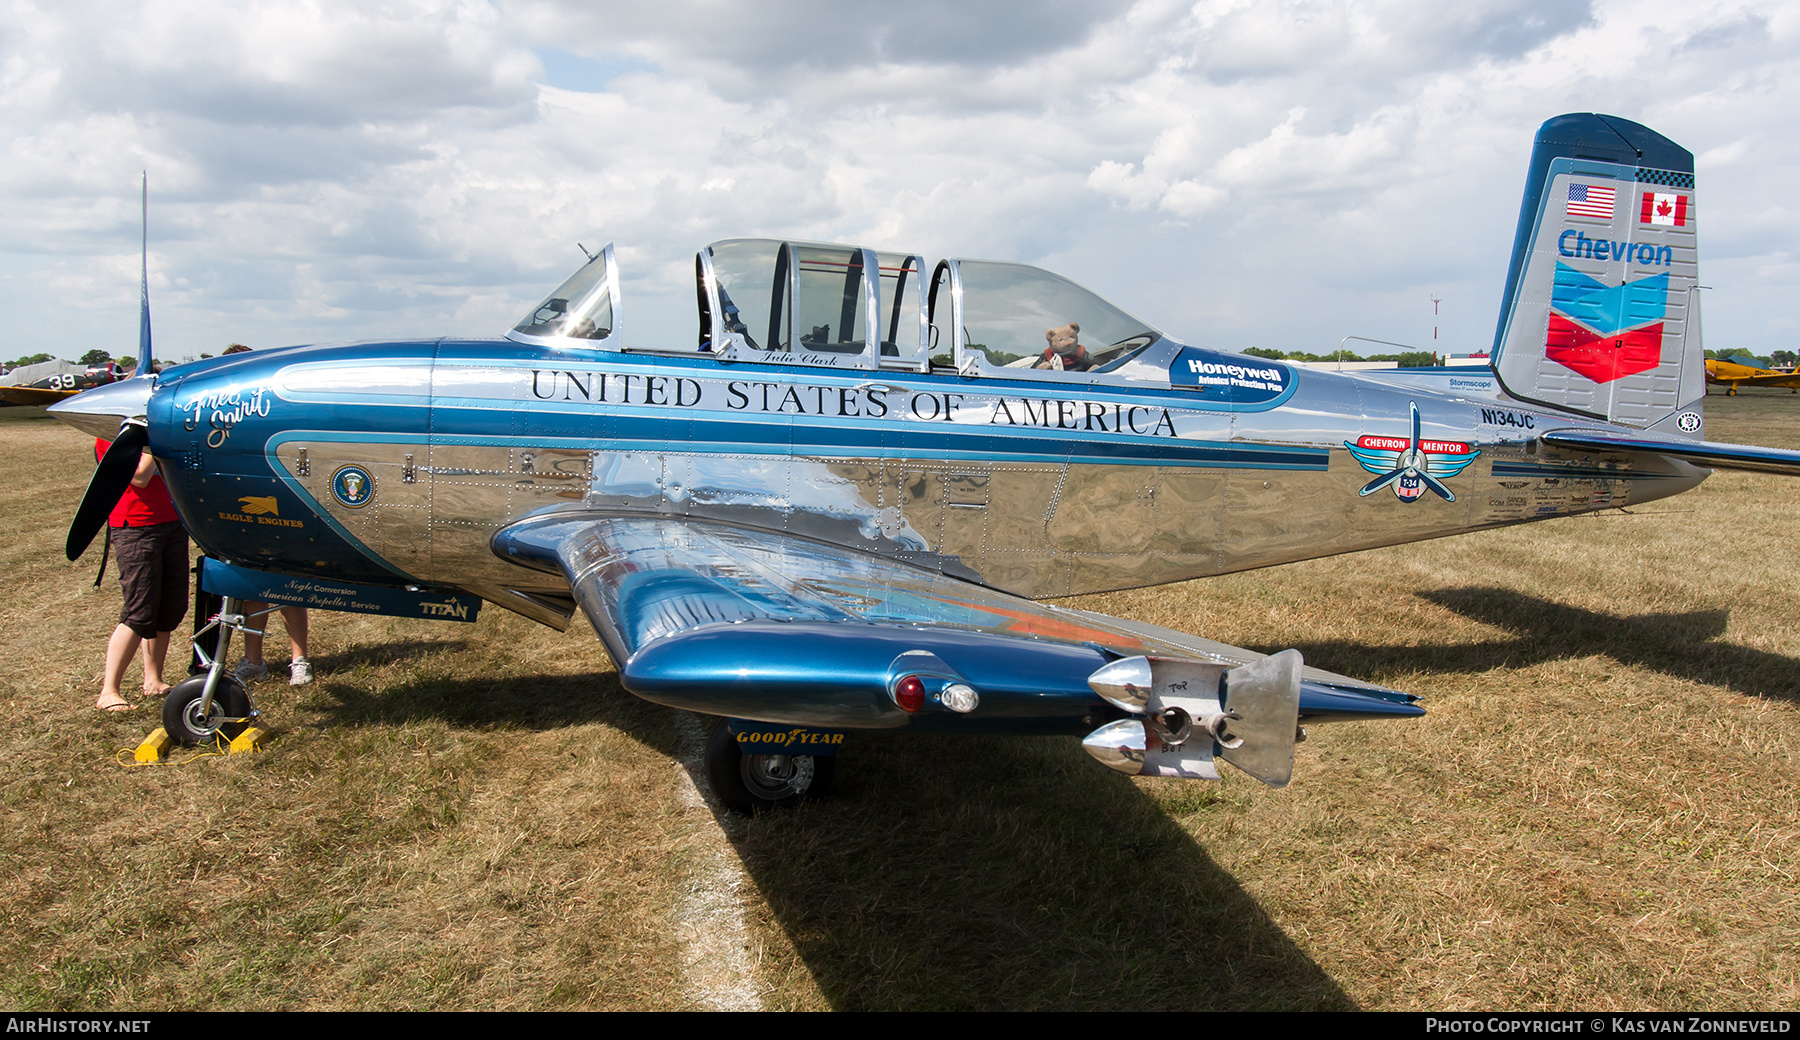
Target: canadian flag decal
{"type": "Point", "coordinates": [1666, 208]}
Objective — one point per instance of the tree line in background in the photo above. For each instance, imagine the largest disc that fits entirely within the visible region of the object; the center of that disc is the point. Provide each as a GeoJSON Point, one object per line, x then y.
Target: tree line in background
{"type": "Point", "coordinates": [1777, 359]}
{"type": "Point", "coordinates": [1407, 359]}
{"type": "Point", "coordinates": [92, 357]}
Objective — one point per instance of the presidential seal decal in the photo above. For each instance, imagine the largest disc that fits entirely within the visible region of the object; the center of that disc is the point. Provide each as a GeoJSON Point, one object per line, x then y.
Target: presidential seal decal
{"type": "Point", "coordinates": [352, 486]}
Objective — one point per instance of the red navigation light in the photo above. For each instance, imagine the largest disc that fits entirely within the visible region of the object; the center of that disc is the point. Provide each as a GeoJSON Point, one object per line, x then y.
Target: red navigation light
{"type": "Point", "coordinates": [909, 693]}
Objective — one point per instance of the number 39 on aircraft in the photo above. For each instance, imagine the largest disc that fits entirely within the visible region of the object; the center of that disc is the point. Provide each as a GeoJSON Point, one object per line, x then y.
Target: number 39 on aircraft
{"type": "Point", "coordinates": [840, 507]}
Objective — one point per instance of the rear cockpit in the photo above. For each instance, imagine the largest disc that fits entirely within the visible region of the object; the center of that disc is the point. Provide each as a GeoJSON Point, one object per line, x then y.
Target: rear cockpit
{"type": "Point", "coordinates": [811, 303]}
{"type": "Point", "coordinates": [829, 305]}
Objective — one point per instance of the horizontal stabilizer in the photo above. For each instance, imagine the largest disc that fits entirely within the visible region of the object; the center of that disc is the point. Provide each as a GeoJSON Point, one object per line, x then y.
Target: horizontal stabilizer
{"type": "Point", "coordinates": [1700, 453]}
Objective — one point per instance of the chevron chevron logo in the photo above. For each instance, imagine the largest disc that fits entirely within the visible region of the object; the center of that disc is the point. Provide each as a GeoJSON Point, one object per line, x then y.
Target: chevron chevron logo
{"type": "Point", "coordinates": [1606, 332]}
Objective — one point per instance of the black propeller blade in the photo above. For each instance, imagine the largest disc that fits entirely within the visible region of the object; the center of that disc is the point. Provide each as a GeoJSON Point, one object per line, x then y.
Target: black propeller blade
{"type": "Point", "coordinates": [108, 485]}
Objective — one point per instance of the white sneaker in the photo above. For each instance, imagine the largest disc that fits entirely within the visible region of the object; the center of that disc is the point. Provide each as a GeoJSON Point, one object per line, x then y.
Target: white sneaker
{"type": "Point", "coordinates": [300, 672]}
{"type": "Point", "coordinates": [248, 672]}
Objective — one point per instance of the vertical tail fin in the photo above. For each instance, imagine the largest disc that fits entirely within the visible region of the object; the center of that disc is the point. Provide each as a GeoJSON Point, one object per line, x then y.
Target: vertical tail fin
{"type": "Point", "coordinates": [1598, 315]}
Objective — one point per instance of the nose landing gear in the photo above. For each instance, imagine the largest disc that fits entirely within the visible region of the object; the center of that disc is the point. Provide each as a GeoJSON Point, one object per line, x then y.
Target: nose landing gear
{"type": "Point", "coordinates": [213, 703]}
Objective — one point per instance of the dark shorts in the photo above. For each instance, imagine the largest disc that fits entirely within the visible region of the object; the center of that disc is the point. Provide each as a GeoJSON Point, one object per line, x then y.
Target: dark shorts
{"type": "Point", "coordinates": [153, 572]}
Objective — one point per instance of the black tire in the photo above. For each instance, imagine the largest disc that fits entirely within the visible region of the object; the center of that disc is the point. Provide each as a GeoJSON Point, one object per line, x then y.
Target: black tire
{"type": "Point", "coordinates": [181, 710]}
{"type": "Point", "coordinates": [750, 784]}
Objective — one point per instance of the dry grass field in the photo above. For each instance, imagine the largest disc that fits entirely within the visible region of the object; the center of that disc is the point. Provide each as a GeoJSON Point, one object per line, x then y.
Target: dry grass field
{"type": "Point", "coordinates": [1599, 812]}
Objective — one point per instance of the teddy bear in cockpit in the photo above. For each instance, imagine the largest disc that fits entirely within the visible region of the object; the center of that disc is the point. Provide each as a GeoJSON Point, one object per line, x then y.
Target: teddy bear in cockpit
{"type": "Point", "coordinates": [1065, 352]}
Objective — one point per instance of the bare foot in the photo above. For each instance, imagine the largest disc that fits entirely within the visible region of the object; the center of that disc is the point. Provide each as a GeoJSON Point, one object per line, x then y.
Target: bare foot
{"type": "Point", "coordinates": [159, 690]}
{"type": "Point", "coordinates": [114, 702]}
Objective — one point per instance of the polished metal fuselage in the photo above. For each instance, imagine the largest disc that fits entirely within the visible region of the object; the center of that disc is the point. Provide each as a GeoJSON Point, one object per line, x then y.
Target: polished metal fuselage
{"type": "Point", "coordinates": [1039, 487]}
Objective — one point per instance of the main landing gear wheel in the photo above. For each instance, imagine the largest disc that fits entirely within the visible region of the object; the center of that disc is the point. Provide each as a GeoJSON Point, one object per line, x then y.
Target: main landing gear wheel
{"type": "Point", "coordinates": [750, 784]}
{"type": "Point", "coordinates": [183, 720]}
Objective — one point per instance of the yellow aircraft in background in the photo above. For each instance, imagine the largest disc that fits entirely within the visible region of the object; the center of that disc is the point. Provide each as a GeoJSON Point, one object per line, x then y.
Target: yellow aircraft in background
{"type": "Point", "coordinates": [1739, 371]}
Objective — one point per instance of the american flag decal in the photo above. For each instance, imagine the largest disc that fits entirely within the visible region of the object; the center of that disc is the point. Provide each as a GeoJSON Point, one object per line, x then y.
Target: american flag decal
{"type": "Point", "coordinates": [1591, 201]}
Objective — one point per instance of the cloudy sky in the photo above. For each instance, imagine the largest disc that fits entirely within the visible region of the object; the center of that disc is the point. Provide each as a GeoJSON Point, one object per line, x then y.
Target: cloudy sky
{"type": "Point", "coordinates": [1276, 174]}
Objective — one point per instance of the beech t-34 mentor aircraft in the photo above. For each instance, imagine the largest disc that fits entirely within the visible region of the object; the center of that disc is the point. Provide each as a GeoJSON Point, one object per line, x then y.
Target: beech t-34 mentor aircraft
{"type": "Point", "coordinates": [838, 508]}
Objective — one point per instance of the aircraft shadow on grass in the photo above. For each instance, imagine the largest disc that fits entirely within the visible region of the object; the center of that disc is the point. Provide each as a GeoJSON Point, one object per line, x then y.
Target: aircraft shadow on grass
{"type": "Point", "coordinates": [955, 872]}
{"type": "Point", "coordinates": [382, 654]}
{"type": "Point", "coordinates": [535, 702]}
{"type": "Point", "coordinates": [1683, 645]}
{"type": "Point", "coordinates": [983, 873]}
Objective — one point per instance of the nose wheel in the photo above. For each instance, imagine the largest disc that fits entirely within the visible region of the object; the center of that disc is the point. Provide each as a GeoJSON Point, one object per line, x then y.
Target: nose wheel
{"type": "Point", "coordinates": [189, 715]}
{"type": "Point", "coordinates": [751, 783]}
{"type": "Point", "coordinates": [189, 720]}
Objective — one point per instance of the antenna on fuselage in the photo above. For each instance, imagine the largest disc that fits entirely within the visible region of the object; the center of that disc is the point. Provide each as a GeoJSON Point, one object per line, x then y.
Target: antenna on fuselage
{"type": "Point", "coordinates": [584, 252]}
{"type": "Point", "coordinates": [144, 366]}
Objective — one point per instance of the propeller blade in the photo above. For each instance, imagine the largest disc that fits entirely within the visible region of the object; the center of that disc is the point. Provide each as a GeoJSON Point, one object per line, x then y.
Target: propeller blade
{"type": "Point", "coordinates": [107, 486]}
{"type": "Point", "coordinates": [1437, 485]}
{"type": "Point", "coordinates": [1382, 481]}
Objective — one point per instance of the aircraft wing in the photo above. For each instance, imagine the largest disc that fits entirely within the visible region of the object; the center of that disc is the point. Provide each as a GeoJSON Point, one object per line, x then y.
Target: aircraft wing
{"type": "Point", "coordinates": [762, 625]}
{"type": "Point", "coordinates": [33, 395]}
{"type": "Point", "coordinates": [1715, 454]}
{"type": "Point", "coordinates": [1788, 379]}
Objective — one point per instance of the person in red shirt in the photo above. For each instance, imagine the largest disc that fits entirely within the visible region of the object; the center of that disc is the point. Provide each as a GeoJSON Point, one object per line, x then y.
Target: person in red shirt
{"type": "Point", "coordinates": [152, 548]}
